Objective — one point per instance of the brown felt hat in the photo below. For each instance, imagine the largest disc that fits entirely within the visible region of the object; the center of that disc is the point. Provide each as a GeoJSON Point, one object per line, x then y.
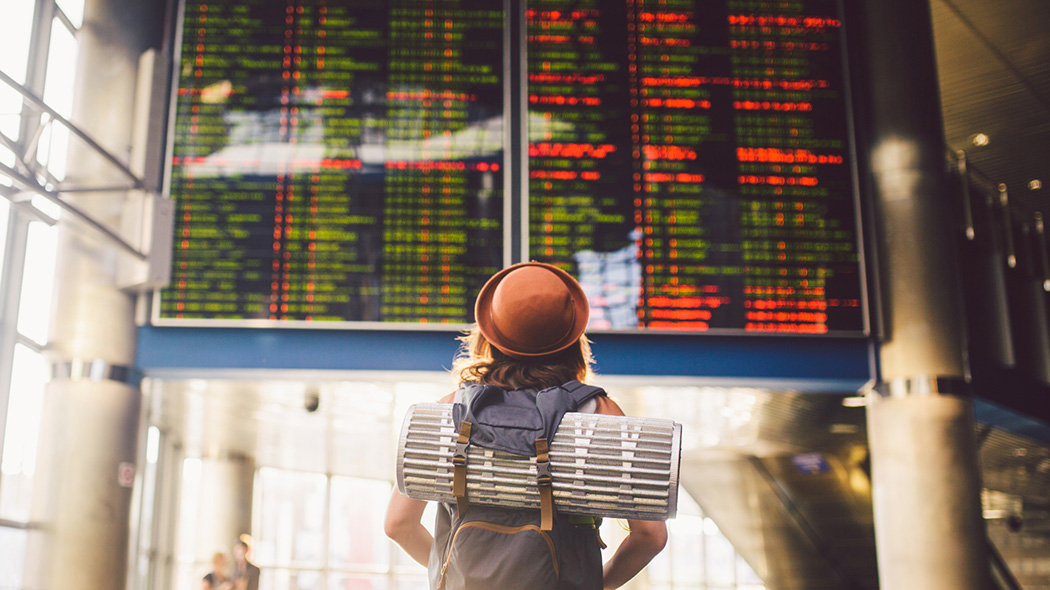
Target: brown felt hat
{"type": "Point", "coordinates": [531, 309]}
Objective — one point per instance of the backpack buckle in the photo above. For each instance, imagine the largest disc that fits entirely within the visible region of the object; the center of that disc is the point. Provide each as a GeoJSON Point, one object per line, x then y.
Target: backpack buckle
{"type": "Point", "coordinates": [543, 473]}
{"type": "Point", "coordinates": [543, 484]}
{"type": "Point", "coordinates": [459, 456]}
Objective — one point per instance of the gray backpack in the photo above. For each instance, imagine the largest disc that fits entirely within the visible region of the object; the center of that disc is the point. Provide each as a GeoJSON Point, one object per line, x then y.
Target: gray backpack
{"type": "Point", "coordinates": [482, 547]}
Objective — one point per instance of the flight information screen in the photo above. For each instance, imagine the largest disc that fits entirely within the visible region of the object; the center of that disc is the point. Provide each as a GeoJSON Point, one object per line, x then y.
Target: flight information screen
{"type": "Point", "coordinates": [336, 160]}
{"type": "Point", "coordinates": [342, 162]}
{"type": "Point", "coordinates": [690, 161]}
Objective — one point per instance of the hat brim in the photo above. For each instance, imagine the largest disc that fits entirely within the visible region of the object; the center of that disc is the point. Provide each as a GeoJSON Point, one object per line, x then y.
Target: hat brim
{"type": "Point", "coordinates": [483, 316]}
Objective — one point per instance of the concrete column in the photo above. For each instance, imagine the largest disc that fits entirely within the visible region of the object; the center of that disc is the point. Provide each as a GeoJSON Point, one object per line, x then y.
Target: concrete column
{"type": "Point", "coordinates": [926, 491]}
{"type": "Point", "coordinates": [224, 505]}
{"type": "Point", "coordinates": [88, 448]}
{"type": "Point", "coordinates": [90, 428]}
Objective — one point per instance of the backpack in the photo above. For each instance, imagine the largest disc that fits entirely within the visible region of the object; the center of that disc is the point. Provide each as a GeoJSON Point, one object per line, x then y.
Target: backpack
{"type": "Point", "coordinates": [487, 547]}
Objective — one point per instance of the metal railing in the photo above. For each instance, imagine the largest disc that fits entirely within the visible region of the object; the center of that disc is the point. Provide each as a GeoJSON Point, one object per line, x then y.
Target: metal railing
{"type": "Point", "coordinates": [24, 173]}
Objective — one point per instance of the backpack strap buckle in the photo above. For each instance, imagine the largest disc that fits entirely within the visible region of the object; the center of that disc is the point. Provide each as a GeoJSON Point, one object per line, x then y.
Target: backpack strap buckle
{"type": "Point", "coordinates": [544, 484]}
{"type": "Point", "coordinates": [543, 473]}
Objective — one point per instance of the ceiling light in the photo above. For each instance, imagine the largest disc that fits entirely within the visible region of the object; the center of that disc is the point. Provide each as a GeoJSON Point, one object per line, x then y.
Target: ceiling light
{"type": "Point", "coordinates": [1035, 184]}
{"type": "Point", "coordinates": [980, 139]}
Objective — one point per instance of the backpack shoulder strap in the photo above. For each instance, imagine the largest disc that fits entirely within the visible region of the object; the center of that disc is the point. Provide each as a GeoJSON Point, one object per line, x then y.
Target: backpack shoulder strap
{"type": "Point", "coordinates": [544, 484]}
{"type": "Point", "coordinates": [580, 393]}
{"type": "Point", "coordinates": [553, 403]}
{"type": "Point", "coordinates": [459, 467]}
{"type": "Point", "coordinates": [463, 419]}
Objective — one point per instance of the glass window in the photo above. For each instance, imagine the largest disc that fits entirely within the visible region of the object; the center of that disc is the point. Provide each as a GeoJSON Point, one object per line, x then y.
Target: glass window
{"type": "Point", "coordinates": [46, 207]}
{"type": "Point", "coordinates": [25, 407]}
{"type": "Point", "coordinates": [370, 424]}
{"type": "Point", "coordinates": [658, 572]}
{"type": "Point", "coordinates": [286, 579]}
{"type": "Point", "coordinates": [362, 582]}
{"type": "Point", "coordinates": [74, 10]}
{"type": "Point", "coordinates": [720, 556]}
{"type": "Point", "coordinates": [189, 502]}
{"type": "Point", "coordinates": [61, 70]}
{"type": "Point", "coordinates": [147, 502]}
{"type": "Point", "coordinates": [680, 564]}
{"type": "Point", "coordinates": [746, 576]}
{"type": "Point", "coordinates": [58, 94]}
{"type": "Point", "coordinates": [697, 556]}
{"type": "Point", "coordinates": [357, 538]}
{"type": "Point", "coordinates": [51, 153]}
{"type": "Point", "coordinates": [12, 558]}
{"type": "Point", "coordinates": [10, 102]}
{"type": "Point", "coordinates": [688, 533]}
{"type": "Point", "coordinates": [15, 29]}
{"type": "Point", "coordinates": [291, 524]}
{"type": "Point", "coordinates": [7, 157]}
{"type": "Point", "coordinates": [187, 576]}
{"type": "Point", "coordinates": [5, 207]}
{"type": "Point", "coordinates": [406, 583]}
{"type": "Point", "coordinates": [687, 530]}
{"type": "Point", "coordinates": [34, 312]}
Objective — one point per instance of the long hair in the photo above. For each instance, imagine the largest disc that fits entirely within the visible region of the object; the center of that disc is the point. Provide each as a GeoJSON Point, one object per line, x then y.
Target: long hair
{"type": "Point", "coordinates": [480, 362]}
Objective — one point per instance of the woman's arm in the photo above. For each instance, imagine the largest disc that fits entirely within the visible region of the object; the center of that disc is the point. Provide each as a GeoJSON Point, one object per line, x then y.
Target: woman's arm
{"type": "Point", "coordinates": [403, 525]}
{"type": "Point", "coordinates": [646, 537]}
{"type": "Point", "coordinates": [403, 520]}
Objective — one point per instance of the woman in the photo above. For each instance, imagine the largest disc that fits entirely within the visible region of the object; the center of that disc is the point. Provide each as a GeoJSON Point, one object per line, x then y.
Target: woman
{"type": "Point", "coordinates": [529, 336]}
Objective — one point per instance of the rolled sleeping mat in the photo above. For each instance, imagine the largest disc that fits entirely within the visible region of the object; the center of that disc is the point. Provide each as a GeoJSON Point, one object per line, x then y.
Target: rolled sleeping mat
{"type": "Point", "coordinates": [601, 465]}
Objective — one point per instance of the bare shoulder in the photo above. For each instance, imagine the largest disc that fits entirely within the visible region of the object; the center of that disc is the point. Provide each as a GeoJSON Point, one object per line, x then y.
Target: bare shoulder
{"type": "Point", "coordinates": [448, 399]}
{"type": "Point", "coordinates": [606, 405]}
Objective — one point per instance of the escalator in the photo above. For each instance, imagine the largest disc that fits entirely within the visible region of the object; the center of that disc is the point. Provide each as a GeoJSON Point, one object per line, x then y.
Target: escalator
{"type": "Point", "coordinates": [794, 497]}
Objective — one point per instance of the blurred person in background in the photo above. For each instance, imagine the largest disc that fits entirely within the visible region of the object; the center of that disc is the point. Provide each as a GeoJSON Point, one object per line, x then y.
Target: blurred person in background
{"type": "Point", "coordinates": [245, 573]}
{"type": "Point", "coordinates": [217, 578]}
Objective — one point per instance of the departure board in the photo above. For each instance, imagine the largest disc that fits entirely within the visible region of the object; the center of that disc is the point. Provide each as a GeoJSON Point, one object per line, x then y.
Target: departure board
{"type": "Point", "coordinates": [691, 163]}
{"type": "Point", "coordinates": [335, 161]}
{"type": "Point", "coordinates": [341, 163]}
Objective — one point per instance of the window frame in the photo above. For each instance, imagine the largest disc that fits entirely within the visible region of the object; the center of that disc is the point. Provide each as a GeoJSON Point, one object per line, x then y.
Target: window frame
{"type": "Point", "coordinates": [21, 216]}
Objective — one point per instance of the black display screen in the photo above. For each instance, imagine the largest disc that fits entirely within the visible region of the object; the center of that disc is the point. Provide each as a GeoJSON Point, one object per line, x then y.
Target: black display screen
{"type": "Point", "coordinates": [691, 162]}
{"type": "Point", "coordinates": [343, 162]}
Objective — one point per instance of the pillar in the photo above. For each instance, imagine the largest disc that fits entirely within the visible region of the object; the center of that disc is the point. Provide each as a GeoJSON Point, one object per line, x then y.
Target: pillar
{"type": "Point", "coordinates": [925, 482]}
{"type": "Point", "coordinates": [90, 429]}
{"type": "Point", "coordinates": [224, 505]}
{"type": "Point", "coordinates": [925, 489]}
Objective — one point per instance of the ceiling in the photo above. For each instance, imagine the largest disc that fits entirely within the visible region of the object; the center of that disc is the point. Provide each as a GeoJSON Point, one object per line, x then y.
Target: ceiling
{"type": "Point", "coordinates": [993, 60]}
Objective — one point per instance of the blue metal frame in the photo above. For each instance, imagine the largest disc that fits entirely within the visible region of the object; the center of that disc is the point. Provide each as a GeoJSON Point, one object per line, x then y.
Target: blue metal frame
{"type": "Point", "coordinates": [837, 365]}
{"type": "Point", "coordinates": [812, 364]}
